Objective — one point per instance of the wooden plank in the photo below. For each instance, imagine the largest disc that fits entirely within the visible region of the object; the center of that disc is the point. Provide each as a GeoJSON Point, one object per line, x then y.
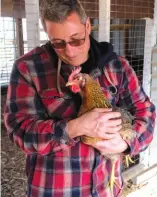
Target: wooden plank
{"type": "Point", "coordinates": [13, 8]}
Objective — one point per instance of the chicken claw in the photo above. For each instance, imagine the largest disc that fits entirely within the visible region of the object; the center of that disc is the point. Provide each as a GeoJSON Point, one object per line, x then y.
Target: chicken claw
{"type": "Point", "coordinates": [112, 180]}
{"type": "Point", "coordinates": [127, 160]}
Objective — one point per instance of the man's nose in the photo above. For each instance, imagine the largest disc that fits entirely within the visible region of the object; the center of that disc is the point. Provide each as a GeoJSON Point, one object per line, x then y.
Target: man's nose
{"type": "Point", "coordinates": [69, 50]}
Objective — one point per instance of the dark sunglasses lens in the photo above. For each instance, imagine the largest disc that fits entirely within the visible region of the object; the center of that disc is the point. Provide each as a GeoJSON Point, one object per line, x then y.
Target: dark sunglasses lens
{"type": "Point", "coordinates": [59, 45]}
{"type": "Point", "coordinates": [76, 43]}
{"type": "Point", "coordinates": [73, 43]}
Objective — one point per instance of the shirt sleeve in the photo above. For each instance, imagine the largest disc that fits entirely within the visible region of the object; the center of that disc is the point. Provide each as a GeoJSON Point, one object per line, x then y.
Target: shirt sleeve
{"type": "Point", "coordinates": [138, 103]}
{"type": "Point", "coordinates": [27, 124]}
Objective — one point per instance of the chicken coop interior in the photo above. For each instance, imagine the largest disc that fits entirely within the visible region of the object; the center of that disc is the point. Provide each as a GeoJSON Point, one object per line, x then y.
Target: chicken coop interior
{"type": "Point", "coordinates": [130, 25]}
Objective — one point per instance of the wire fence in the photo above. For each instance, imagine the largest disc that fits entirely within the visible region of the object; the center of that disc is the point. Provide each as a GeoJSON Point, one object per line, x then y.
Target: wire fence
{"type": "Point", "coordinates": [128, 39]}
{"type": "Point", "coordinates": [129, 36]}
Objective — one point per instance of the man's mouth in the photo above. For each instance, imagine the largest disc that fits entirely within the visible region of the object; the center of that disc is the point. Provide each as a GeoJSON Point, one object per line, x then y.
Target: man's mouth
{"type": "Point", "coordinates": [67, 59]}
{"type": "Point", "coordinates": [72, 57]}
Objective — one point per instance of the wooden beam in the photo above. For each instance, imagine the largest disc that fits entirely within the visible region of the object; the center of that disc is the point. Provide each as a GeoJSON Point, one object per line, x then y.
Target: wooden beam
{"type": "Point", "coordinates": [19, 37]}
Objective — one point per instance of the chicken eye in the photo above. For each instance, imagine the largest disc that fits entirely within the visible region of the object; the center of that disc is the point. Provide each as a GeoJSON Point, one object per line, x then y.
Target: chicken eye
{"type": "Point", "coordinates": [78, 78]}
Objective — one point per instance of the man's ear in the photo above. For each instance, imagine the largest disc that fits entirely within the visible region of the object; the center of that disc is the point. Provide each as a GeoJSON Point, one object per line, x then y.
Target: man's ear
{"type": "Point", "coordinates": [88, 26]}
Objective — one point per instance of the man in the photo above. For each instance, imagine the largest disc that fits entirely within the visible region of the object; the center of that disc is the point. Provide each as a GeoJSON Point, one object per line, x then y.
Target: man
{"type": "Point", "coordinates": [41, 114]}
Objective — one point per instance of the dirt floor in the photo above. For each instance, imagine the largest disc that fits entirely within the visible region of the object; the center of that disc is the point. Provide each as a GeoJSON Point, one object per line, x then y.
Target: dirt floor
{"type": "Point", "coordinates": [13, 179]}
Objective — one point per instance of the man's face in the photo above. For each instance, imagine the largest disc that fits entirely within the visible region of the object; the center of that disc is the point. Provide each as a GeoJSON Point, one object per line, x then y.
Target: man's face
{"type": "Point", "coordinates": [70, 30]}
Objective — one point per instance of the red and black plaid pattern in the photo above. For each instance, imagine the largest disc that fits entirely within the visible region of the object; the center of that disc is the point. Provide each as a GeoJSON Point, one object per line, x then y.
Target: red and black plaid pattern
{"type": "Point", "coordinates": [36, 118]}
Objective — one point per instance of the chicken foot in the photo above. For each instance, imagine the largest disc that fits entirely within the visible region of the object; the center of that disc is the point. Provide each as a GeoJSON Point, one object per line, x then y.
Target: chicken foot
{"type": "Point", "coordinates": [112, 180]}
{"type": "Point", "coordinates": [128, 160]}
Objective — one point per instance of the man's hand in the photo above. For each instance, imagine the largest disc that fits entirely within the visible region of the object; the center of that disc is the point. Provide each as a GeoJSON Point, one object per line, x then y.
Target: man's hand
{"type": "Point", "coordinates": [115, 145]}
{"type": "Point", "coordinates": [99, 122]}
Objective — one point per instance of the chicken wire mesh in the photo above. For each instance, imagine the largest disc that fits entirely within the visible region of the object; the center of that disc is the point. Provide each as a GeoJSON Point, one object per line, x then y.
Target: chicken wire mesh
{"type": "Point", "coordinates": [12, 45]}
{"type": "Point", "coordinates": [7, 48]}
{"type": "Point", "coordinates": [11, 36]}
{"type": "Point", "coordinates": [130, 36]}
{"type": "Point", "coordinates": [128, 39]}
{"type": "Point", "coordinates": [92, 10]}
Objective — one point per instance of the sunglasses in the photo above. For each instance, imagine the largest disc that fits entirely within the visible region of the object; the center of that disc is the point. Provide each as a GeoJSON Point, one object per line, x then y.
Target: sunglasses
{"type": "Point", "coordinates": [74, 43]}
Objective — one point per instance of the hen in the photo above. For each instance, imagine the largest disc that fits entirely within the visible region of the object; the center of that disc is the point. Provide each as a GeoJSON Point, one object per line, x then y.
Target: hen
{"type": "Point", "coordinates": [93, 97]}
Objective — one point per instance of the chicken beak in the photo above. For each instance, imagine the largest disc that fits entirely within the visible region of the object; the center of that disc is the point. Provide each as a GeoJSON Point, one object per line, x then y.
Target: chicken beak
{"type": "Point", "coordinates": [69, 83]}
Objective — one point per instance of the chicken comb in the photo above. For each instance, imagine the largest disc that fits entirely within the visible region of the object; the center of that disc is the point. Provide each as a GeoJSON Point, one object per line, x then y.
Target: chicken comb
{"type": "Point", "coordinates": [75, 71]}
{"type": "Point", "coordinates": [95, 73]}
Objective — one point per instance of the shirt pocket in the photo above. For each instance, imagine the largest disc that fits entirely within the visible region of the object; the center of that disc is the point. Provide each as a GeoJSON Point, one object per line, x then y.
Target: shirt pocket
{"type": "Point", "coordinates": [58, 107]}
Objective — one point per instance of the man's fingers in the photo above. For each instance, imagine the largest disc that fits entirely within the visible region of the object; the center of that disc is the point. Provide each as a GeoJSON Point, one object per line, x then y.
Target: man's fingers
{"type": "Point", "coordinates": [112, 123]}
{"type": "Point", "coordinates": [109, 115]}
{"type": "Point", "coordinates": [114, 129]}
{"type": "Point", "coordinates": [101, 110]}
{"type": "Point", "coordinates": [108, 136]}
{"type": "Point", "coordinates": [110, 133]}
{"type": "Point", "coordinates": [96, 113]}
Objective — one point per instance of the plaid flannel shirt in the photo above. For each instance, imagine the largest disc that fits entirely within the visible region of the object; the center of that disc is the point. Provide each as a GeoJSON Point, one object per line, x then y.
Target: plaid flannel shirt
{"type": "Point", "coordinates": [36, 118]}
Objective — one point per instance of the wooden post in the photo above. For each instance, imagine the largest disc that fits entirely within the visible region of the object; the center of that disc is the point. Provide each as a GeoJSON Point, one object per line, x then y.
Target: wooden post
{"type": "Point", "coordinates": [19, 37]}
{"type": "Point", "coordinates": [104, 20]}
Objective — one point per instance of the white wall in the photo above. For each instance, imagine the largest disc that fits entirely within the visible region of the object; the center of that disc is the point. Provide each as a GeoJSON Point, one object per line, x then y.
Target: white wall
{"type": "Point", "coordinates": [153, 89]}
{"type": "Point", "coordinates": [32, 21]}
{"type": "Point", "coordinates": [104, 20]}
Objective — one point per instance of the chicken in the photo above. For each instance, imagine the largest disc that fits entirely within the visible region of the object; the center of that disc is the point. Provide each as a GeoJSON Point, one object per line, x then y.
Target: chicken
{"type": "Point", "coordinates": [93, 97]}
